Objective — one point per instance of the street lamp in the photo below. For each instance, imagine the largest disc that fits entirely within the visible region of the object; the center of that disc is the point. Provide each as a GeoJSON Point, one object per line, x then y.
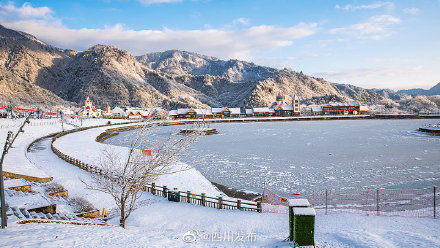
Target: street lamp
{"type": "Point", "coordinates": [8, 144]}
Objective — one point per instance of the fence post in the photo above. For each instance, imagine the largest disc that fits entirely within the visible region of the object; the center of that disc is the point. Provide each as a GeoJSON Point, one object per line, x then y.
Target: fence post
{"type": "Point", "coordinates": [435, 188]}
{"type": "Point", "coordinates": [239, 204]}
{"type": "Point", "coordinates": [326, 201]}
{"type": "Point", "coordinates": [259, 210]}
{"type": "Point", "coordinates": [165, 191]}
{"type": "Point", "coordinates": [188, 196]}
{"type": "Point", "coordinates": [220, 202]}
{"type": "Point", "coordinates": [153, 188]}
{"type": "Point", "coordinates": [203, 199]}
{"type": "Point", "coordinates": [377, 201]}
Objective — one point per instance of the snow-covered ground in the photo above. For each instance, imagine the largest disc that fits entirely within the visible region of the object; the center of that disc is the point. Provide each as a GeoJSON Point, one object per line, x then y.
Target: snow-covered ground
{"type": "Point", "coordinates": [163, 224]}
{"type": "Point", "coordinates": [82, 146]}
{"type": "Point", "coordinates": [160, 223]}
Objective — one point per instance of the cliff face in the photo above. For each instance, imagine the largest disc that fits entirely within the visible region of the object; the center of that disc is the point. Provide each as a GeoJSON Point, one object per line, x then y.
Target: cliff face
{"type": "Point", "coordinates": [35, 73]}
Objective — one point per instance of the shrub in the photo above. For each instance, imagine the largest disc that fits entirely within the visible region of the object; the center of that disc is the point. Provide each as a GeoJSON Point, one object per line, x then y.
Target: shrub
{"type": "Point", "coordinates": [81, 205]}
{"type": "Point", "coordinates": [54, 187]}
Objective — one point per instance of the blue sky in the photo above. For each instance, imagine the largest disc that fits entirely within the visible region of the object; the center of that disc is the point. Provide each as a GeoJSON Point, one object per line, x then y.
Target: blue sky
{"type": "Point", "coordinates": [373, 44]}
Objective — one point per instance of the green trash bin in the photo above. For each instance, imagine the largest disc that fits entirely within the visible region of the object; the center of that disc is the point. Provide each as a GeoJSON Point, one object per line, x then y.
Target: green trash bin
{"type": "Point", "coordinates": [173, 196]}
{"type": "Point", "coordinates": [302, 226]}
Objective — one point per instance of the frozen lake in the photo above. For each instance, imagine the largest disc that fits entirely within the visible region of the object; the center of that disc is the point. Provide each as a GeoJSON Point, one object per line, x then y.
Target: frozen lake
{"type": "Point", "coordinates": [309, 156]}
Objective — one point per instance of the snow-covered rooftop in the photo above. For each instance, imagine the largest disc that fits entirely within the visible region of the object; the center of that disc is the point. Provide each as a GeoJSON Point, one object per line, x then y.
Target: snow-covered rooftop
{"type": "Point", "coordinates": [286, 107]}
{"type": "Point", "coordinates": [261, 110]}
{"type": "Point", "coordinates": [182, 111]}
{"type": "Point", "coordinates": [203, 111]}
{"type": "Point", "coordinates": [299, 203]}
{"type": "Point", "coordinates": [217, 110]}
{"type": "Point", "coordinates": [235, 110]}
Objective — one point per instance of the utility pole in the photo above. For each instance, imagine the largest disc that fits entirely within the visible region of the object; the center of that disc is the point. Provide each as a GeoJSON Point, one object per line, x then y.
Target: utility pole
{"type": "Point", "coordinates": [62, 123]}
{"type": "Point", "coordinates": [8, 144]}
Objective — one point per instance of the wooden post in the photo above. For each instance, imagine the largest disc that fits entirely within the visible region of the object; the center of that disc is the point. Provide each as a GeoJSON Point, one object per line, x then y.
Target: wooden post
{"type": "Point", "coordinates": [153, 188]}
{"type": "Point", "coordinates": [377, 201]}
{"type": "Point", "coordinates": [220, 202]}
{"type": "Point", "coordinates": [259, 209]}
{"type": "Point", "coordinates": [435, 188]}
{"type": "Point", "coordinates": [165, 191]}
{"type": "Point", "coordinates": [239, 204]}
{"type": "Point", "coordinates": [188, 196]}
{"type": "Point", "coordinates": [203, 199]}
{"type": "Point", "coordinates": [326, 201]}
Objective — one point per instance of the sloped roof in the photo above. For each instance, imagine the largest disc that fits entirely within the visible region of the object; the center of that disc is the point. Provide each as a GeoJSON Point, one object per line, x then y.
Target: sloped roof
{"type": "Point", "coordinates": [173, 112]}
{"type": "Point", "coordinates": [216, 110]}
{"type": "Point", "coordinates": [261, 110]}
{"type": "Point", "coordinates": [203, 111]}
{"type": "Point", "coordinates": [285, 107]}
{"type": "Point", "coordinates": [235, 110]}
{"type": "Point", "coordinates": [183, 111]}
{"type": "Point", "coordinates": [118, 110]}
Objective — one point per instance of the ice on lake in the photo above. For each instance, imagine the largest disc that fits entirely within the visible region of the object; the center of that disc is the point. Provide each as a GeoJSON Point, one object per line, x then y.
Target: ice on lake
{"type": "Point", "coordinates": [309, 156]}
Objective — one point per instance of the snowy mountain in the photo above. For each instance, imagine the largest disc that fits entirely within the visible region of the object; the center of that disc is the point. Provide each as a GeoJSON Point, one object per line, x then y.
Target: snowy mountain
{"type": "Point", "coordinates": [180, 63]}
{"type": "Point", "coordinates": [109, 75]}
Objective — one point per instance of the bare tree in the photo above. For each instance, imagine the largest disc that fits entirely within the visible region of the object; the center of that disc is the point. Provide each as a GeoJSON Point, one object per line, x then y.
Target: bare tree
{"type": "Point", "coordinates": [148, 156]}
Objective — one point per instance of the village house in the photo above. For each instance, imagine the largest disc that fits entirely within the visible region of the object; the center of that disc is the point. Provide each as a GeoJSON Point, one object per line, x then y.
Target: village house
{"type": "Point", "coordinates": [353, 108]}
{"type": "Point", "coordinates": [204, 113]}
{"type": "Point", "coordinates": [235, 112]}
{"type": "Point", "coordinates": [265, 111]}
{"type": "Point", "coordinates": [223, 112]}
{"type": "Point", "coordinates": [89, 111]}
{"type": "Point", "coordinates": [117, 112]}
{"type": "Point", "coordinates": [186, 113]}
{"type": "Point", "coordinates": [281, 107]}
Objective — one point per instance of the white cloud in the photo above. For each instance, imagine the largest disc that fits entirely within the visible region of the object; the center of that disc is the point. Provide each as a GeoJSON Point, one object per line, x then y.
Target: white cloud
{"type": "Point", "coordinates": [26, 11]}
{"type": "Point", "coordinates": [148, 2]}
{"type": "Point", "coordinates": [377, 27]}
{"type": "Point", "coordinates": [239, 43]}
{"type": "Point", "coordinates": [411, 11]}
{"type": "Point", "coordinates": [241, 21]}
{"type": "Point", "coordinates": [377, 5]}
{"type": "Point", "coordinates": [393, 77]}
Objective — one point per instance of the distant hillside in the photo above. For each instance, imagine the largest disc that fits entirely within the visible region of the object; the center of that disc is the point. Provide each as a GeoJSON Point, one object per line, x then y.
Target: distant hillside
{"type": "Point", "coordinates": [431, 92]}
